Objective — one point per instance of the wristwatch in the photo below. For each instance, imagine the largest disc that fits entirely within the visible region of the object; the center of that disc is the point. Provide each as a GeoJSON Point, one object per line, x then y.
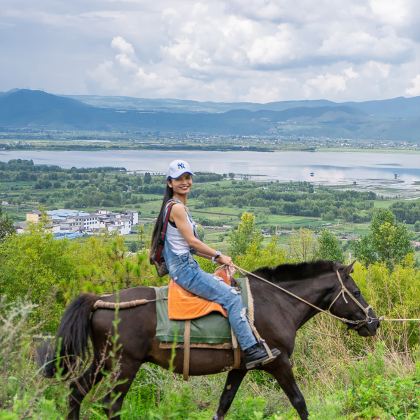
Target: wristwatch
{"type": "Point", "coordinates": [218, 254]}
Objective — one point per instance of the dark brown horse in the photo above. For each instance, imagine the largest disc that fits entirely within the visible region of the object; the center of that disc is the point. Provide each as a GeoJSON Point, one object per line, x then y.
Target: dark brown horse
{"type": "Point", "coordinates": [277, 317]}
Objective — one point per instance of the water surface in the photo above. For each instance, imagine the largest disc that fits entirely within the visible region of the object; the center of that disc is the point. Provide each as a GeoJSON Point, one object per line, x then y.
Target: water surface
{"type": "Point", "coordinates": [399, 169]}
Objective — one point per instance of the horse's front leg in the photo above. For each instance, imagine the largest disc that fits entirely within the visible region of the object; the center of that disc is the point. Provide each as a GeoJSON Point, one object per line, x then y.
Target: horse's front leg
{"type": "Point", "coordinates": [233, 381]}
{"type": "Point", "coordinates": [281, 369]}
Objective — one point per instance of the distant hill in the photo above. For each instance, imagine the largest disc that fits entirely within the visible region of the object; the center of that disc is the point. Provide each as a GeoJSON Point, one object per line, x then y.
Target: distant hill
{"type": "Point", "coordinates": [395, 119]}
{"type": "Point", "coordinates": [181, 105]}
{"type": "Point", "coordinates": [35, 107]}
{"type": "Point", "coordinates": [396, 108]}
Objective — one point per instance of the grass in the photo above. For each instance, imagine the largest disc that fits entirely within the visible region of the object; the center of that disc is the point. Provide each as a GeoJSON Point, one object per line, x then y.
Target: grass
{"type": "Point", "coordinates": [384, 204]}
{"type": "Point", "coordinates": [286, 221]}
{"type": "Point", "coordinates": [371, 387]}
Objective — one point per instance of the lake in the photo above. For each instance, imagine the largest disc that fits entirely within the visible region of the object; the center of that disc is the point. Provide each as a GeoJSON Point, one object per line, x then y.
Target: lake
{"type": "Point", "coordinates": [400, 170]}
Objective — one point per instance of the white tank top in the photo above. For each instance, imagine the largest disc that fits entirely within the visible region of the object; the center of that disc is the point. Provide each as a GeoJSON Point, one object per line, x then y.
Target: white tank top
{"type": "Point", "coordinates": [174, 238]}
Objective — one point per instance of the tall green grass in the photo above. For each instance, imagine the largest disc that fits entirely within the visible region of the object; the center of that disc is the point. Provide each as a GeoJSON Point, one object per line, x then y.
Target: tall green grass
{"type": "Point", "coordinates": [340, 377]}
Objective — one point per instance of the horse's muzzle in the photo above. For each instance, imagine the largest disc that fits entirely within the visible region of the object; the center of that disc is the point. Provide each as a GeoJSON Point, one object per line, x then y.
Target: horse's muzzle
{"type": "Point", "coordinates": [368, 328]}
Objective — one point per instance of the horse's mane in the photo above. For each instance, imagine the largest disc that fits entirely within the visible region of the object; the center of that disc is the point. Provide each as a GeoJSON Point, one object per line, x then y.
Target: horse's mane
{"type": "Point", "coordinates": [287, 272]}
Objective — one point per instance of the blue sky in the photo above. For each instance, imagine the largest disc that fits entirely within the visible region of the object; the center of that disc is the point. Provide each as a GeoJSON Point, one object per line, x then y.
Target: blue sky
{"type": "Point", "coordinates": [237, 50]}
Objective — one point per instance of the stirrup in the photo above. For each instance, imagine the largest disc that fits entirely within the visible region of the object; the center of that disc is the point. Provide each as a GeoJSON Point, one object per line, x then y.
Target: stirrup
{"type": "Point", "coordinates": [261, 362]}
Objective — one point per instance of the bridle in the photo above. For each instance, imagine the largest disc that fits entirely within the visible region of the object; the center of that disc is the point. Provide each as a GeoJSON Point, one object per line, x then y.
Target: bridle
{"type": "Point", "coordinates": [359, 323]}
{"type": "Point", "coordinates": [355, 324]}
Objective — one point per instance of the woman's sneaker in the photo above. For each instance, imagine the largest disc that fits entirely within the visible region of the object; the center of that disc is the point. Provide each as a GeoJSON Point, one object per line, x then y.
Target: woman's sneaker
{"type": "Point", "coordinates": [257, 355]}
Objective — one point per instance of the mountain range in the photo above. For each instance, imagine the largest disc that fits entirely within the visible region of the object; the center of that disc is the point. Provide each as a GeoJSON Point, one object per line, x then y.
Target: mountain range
{"type": "Point", "coordinates": [390, 119]}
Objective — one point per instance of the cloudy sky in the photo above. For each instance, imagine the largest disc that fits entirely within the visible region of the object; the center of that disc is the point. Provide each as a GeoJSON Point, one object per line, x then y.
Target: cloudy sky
{"type": "Point", "coordinates": [237, 50]}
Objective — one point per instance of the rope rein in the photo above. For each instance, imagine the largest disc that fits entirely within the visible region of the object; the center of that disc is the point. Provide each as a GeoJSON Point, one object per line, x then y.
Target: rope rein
{"type": "Point", "coordinates": [341, 293]}
{"type": "Point", "coordinates": [243, 271]}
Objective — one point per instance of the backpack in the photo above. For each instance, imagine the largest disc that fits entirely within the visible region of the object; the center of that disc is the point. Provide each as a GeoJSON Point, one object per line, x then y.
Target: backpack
{"type": "Point", "coordinates": [157, 257]}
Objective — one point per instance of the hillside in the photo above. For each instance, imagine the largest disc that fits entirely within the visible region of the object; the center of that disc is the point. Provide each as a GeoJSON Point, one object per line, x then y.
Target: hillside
{"type": "Point", "coordinates": [396, 107]}
{"type": "Point", "coordinates": [393, 119]}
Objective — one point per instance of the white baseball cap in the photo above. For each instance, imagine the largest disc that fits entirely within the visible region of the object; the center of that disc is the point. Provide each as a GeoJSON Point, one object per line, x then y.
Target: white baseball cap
{"type": "Point", "coordinates": [177, 168]}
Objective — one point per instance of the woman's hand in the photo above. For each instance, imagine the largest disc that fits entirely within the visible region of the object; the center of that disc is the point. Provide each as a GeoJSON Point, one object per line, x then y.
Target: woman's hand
{"type": "Point", "coordinates": [224, 259]}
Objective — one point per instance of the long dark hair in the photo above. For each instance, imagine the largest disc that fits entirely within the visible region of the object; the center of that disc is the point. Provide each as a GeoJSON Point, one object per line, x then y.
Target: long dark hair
{"type": "Point", "coordinates": [169, 192]}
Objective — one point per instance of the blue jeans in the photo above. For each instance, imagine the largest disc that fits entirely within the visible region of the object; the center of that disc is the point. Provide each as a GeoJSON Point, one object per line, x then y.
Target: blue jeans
{"type": "Point", "coordinates": [186, 272]}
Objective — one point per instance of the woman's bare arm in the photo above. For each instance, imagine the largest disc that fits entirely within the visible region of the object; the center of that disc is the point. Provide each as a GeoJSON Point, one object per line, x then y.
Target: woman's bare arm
{"type": "Point", "coordinates": [179, 216]}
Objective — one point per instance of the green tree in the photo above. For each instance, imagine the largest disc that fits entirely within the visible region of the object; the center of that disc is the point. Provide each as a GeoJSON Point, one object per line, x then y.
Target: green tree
{"type": "Point", "coordinates": [35, 266]}
{"type": "Point", "coordinates": [147, 178]}
{"type": "Point", "coordinates": [6, 226]}
{"type": "Point", "coordinates": [270, 255]}
{"type": "Point", "coordinates": [329, 247]}
{"type": "Point", "coordinates": [244, 236]}
{"type": "Point", "coordinates": [140, 236]}
{"type": "Point", "coordinates": [133, 246]}
{"type": "Point", "coordinates": [51, 272]}
{"type": "Point", "coordinates": [303, 245]}
{"type": "Point", "coordinates": [201, 232]}
{"type": "Point", "coordinates": [387, 241]}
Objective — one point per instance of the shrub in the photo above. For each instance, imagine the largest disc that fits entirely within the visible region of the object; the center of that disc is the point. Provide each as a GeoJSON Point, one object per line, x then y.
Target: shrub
{"type": "Point", "coordinates": [50, 272]}
{"type": "Point", "coordinates": [394, 294]}
{"type": "Point", "coordinates": [23, 393]}
{"type": "Point", "coordinates": [380, 397]}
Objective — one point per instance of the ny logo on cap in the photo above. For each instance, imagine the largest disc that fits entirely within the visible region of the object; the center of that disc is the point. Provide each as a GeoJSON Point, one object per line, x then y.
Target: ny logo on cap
{"type": "Point", "coordinates": [181, 165]}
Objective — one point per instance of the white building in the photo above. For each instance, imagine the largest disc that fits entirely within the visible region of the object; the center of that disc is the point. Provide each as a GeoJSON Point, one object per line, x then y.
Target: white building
{"type": "Point", "coordinates": [65, 221]}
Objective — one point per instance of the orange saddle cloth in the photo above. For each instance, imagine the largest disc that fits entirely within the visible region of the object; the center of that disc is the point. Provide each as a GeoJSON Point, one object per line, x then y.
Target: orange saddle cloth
{"type": "Point", "coordinates": [183, 305]}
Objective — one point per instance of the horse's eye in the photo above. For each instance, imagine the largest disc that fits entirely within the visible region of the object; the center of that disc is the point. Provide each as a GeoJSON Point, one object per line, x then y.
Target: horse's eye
{"type": "Point", "coordinates": [356, 294]}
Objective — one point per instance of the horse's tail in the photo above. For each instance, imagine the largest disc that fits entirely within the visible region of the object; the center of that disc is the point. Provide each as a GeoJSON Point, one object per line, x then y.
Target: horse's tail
{"type": "Point", "coordinates": [72, 337]}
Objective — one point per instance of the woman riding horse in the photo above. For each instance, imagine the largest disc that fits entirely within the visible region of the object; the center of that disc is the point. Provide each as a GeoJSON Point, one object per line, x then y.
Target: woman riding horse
{"type": "Point", "coordinates": [321, 285]}
{"type": "Point", "coordinates": [180, 241]}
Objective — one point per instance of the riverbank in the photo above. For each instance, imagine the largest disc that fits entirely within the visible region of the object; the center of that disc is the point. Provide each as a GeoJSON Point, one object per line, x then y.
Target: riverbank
{"type": "Point", "coordinates": [93, 145]}
{"type": "Point", "coordinates": [121, 141]}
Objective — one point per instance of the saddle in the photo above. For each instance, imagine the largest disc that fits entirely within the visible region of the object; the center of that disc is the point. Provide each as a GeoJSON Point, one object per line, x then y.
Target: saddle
{"type": "Point", "coordinates": [183, 305]}
{"type": "Point", "coordinates": [187, 321]}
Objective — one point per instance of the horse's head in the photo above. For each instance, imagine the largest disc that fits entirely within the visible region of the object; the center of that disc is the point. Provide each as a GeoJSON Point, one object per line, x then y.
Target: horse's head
{"type": "Point", "coordinates": [348, 302]}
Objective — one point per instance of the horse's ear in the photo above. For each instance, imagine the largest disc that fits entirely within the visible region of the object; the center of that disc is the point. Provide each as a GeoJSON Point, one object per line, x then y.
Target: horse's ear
{"type": "Point", "coordinates": [349, 269]}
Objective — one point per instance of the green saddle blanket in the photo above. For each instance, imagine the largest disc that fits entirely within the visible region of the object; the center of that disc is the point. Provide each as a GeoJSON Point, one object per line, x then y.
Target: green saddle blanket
{"type": "Point", "coordinates": [213, 328]}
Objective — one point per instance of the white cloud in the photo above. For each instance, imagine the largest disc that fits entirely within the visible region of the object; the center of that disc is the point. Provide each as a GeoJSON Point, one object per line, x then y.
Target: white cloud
{"type": "Point", "coordinates": [361, 44]}
{"type": "Point", "coordinates": [391, 11]}
{"type": "Point", "coordinates": [126, 56]}
{"type": "Point", "coordinates": [377, 69]}
{"type": "Point", "coordinates": [329, 84]}
{"type": "Point", "coordinates": [274, 50]}
{"type": "Point", "coordinates": [414, 89]}
{"type": "Point", "coordinates": [120, 44]}
{"type": "Point", "coordinates": [103, 75]}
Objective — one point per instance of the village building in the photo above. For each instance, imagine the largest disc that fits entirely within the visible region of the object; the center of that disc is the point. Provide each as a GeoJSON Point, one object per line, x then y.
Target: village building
{"type": "Point", "coordinates": [66, 223]}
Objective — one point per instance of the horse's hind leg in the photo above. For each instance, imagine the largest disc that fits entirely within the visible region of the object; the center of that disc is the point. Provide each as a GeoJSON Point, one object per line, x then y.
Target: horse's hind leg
{"type": "Point", "coordinates": [233, 381]}
{"type": "Point", "coordinates": [114, 400]}
{"type": "Point", "coordinates": [80, 387]}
